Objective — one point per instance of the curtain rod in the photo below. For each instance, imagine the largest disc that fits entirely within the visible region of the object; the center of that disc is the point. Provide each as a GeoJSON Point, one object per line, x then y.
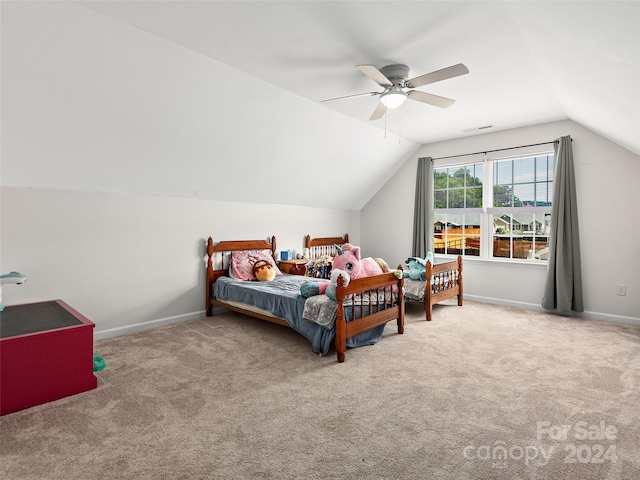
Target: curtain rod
{"type": "Point", "coordinates": [497, 150]}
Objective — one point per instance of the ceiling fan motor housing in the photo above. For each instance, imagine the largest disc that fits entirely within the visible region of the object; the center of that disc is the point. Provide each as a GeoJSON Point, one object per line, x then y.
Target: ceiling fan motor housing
{"type": "Point", "coordinates": [397, 74]}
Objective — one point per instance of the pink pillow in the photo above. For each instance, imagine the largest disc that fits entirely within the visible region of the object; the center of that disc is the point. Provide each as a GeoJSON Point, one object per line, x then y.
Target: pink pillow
{"type": "Point", "coordinates": [242, 263]}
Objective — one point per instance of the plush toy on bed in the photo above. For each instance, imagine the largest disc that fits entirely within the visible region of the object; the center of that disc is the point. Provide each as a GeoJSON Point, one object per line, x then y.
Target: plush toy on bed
{"type": "Point", "coordinates": [417, 267]}
{"type": "Point", "coordinates": [263, 271]}
{"type": "Point", "coordinates": [350, 265]}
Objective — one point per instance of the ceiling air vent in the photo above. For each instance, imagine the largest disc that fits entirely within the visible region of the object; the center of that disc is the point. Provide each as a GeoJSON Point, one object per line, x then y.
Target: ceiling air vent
{"type": "Point", "coordinates": [475, 129]}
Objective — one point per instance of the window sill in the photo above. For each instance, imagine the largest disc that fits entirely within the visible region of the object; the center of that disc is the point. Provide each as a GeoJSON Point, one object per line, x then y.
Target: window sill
{"type": "Point", "coordinates": [538, 264]}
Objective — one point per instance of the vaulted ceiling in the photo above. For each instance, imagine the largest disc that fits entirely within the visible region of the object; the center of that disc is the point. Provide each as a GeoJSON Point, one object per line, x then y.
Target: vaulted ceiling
{"type": "Point", "coordinates": [222, 97]}
{"type": "Point", "coordinates": [530, 62]}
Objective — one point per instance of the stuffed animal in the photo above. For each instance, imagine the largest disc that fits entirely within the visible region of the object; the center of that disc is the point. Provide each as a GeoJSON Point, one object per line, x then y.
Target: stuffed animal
{"type": "Point", "coordinates": [417, 267]}
{"type": "Point", "coordinates": [310, 289]}
{"type": "Point", "coordinates": [349, 265]}
{"type": "Point", "coordinates": [263, 271]}
{"type": "Point", "coordinates": [348, 260]}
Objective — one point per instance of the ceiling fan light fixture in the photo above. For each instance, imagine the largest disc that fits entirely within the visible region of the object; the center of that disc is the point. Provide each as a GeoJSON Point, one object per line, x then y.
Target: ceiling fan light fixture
{"type": "Point", "coordinates": [393, 98]}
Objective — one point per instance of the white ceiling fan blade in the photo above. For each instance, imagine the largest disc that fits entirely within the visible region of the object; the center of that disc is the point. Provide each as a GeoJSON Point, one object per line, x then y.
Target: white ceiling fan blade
{"type": "Point", "coordinates": [438, 75]}
{"type": "Point", "coordinates": [429, 98]}
{"type": "Point", "coordinates": [374, 74]}
{"type": "Point", "coordinates": [378, 112]}
{"type": "Point", "coordinates": [358, 95]}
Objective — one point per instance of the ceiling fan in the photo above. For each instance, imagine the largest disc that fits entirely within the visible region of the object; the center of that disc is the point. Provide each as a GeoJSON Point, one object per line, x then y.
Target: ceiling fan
{"type": "Point", "coordinates": [394, 80]}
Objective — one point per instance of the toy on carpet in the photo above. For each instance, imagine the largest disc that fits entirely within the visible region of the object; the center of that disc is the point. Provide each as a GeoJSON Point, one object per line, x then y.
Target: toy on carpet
{"type": "Point", "coordinates": [98, 363]}
{"type": "Point", "coordinates": [418, 267]}
{"type": "Point", "coordinates": [348, 264]}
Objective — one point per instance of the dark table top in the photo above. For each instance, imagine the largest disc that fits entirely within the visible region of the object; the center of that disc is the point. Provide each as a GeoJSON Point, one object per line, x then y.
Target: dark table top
{"type": "Point", "coordinates": [35, 317]}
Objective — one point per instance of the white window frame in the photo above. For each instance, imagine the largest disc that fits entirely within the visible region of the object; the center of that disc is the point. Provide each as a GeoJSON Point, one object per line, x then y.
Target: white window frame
{"type": "Point", "coordinates": [488, 210]}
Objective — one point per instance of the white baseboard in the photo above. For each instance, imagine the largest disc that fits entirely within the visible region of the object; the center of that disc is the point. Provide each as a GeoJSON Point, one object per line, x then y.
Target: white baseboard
{"type": "Point", "coordinates": [137, 327]}
{"type": "Point", "coordinates": [112, 332]}
{"type": "Point", "coordinates": [531, 306]}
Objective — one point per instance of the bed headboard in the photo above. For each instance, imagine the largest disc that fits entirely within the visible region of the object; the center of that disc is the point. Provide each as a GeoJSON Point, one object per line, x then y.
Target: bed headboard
{"type": "Point", "coordinates": [219, 255]}
{"type": "Point", "coordinates": [323, 246]}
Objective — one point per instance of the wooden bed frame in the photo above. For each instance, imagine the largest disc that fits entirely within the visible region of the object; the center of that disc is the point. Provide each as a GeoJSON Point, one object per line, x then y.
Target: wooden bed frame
{"type": "Point", "coordinates": [444, 280]}
{"type": "Point", "coordinates": [319, 247]}
{"type": "Point", "coordinates": [323, 246]}
{"type": "Point", "coordinates": [363, 320]}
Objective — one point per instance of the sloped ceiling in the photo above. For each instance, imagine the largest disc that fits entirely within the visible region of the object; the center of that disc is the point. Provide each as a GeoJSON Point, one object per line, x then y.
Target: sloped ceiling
{"type": "Point", "coordinates": [100, 95]}
{"type": "Point", "coordinates": [530, 62]}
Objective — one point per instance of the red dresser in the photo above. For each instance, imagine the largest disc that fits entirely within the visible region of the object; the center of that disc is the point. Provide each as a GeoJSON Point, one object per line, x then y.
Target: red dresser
{"type": "Point", "coordinates": [46, 353]}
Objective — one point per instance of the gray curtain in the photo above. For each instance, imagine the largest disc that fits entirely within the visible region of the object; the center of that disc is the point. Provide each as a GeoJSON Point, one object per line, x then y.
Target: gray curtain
{"type": "Point", "coordinates": [563, 286]}
{"type": "Point", "coordinates": [423, 210]}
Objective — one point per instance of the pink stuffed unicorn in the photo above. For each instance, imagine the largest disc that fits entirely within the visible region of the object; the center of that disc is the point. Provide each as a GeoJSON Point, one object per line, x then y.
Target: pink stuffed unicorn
{"type": "Point", "coordinates": [348, 260]}
{"type": "Point", "coordinates": [348, 264]}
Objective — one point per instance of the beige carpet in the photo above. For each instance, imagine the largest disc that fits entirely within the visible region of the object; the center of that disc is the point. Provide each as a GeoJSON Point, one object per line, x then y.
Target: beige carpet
{"type": "Point", "coordinates": [230, 397]}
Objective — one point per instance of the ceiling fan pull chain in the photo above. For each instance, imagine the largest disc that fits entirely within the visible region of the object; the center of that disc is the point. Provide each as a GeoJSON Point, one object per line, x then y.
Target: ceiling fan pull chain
{"type": "Point", "coordinates": [385, 125]}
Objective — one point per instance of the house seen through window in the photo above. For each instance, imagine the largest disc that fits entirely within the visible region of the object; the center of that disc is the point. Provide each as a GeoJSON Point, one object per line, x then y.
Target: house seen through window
{"type": "Point", "coordinates": [494, 208]}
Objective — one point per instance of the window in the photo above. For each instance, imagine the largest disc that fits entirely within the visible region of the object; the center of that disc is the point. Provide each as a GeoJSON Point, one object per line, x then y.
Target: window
{"type": "Point", "coordinates": [495, 208]}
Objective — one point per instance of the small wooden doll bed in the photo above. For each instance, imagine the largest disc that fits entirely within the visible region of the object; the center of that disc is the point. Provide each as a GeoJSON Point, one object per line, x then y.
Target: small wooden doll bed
{"type": "Point", "coordinates": [363, 305]}
{"type": "Point", "coordinates": [444, 280]}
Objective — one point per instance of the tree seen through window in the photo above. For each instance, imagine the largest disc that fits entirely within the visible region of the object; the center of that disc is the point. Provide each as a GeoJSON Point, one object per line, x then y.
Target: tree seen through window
{"type": "Point", "coordinates": [520, 194]}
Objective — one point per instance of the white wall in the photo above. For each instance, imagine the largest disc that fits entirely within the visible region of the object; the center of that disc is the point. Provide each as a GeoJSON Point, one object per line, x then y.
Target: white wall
{"type": "Point", "coordinates": [608, 200]}
{"type": "Point", "coordinates": [124, 260]}
{"type": "Point", "coordinates": [118, 155]}
{"type": "Point", "coordinates": [121, 152]}
{"type": "Point", "coordinates": [92, 104]}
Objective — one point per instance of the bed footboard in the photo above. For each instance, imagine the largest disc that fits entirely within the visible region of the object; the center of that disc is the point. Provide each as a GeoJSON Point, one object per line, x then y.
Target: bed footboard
{"type": "Point", "coordinates": [444, 280]}
{"type": "Point", "coordinates": [375, 300]}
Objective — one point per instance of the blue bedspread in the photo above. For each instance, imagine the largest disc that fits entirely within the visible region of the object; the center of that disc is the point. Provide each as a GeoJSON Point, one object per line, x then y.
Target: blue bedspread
{"type": "Point", "coordinates": [282, 298]}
